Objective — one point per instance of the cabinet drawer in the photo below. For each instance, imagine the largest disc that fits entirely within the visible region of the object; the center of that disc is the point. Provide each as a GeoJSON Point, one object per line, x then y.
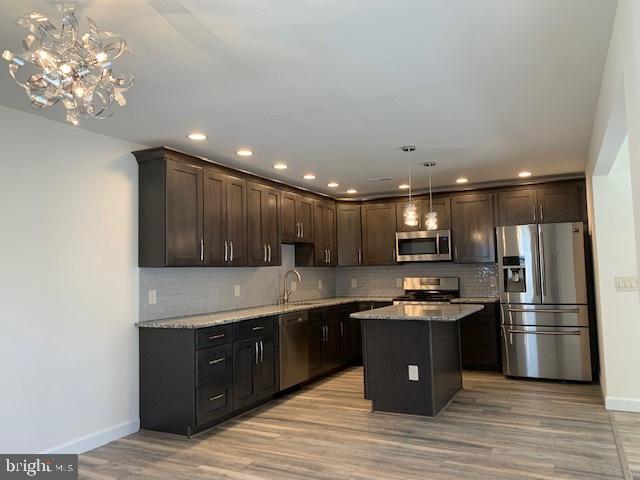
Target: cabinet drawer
{"type": "Point", "coordinates": [251, 328]}
{"type": "Point", "coordinates": [213, 402]}
{"type": "Point", "coordinates": [212, 336]}
{"type": "Point", "coordinates": [214, 364]}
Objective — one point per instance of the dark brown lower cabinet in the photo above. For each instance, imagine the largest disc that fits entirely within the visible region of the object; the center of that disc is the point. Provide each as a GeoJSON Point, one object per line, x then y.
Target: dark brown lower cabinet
{"type": "Point", "coordinates": [480, 340]}
{"type": "Point", "coordinates": [324, 344]}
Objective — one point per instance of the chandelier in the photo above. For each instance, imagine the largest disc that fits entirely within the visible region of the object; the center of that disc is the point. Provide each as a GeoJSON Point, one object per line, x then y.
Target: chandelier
{"type": "Point", "coordinates": [67, 67]}
{"type": "Point", "coordinates": [410, 213]}
{"type": "Point", "coordinates": [431, 217]}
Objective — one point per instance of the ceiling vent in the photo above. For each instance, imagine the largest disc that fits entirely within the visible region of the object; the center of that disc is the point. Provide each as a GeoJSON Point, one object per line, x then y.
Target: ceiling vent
{"type": "Point", "coordinates": [379, 179]}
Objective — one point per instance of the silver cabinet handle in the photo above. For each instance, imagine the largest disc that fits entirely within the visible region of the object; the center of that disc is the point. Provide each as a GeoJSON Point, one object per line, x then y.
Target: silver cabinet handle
{"type": "Point", "coordinates": [261, 351]}
{"type": "Point", "coordinates": [329, 250]}
{"type": "Point", "coordinates": [300, 234]}
{"type": "Point", "coordinates": [455, 252]}
{"type": "Point", "coordinates": [202, 249]}
{"type": "Point", "coordinates": [255, 329]}
{"type": "Point", "coordinates": [359, 256]}
{"type": "Point", "coordinates": [535, 219]}
{"type": "Point", "coordinates": [393, 255]}
{"type": "Point", "coordinates": [257, 357]}
{"type": "Point", "coordinates": [302, 229]}
{"type": "Point", "coordinates": [225, 250]}
{"type": "Point", "coordinates": [438, 244]}
{"type": "Point", "coordinates": [217, 397]}
{"type": "Point", "coordinates": [324, 333]}
{"type": "Point", "coordinates": [541, 214]}
{"type": "Point", "coordinates": [570, 332]}
{"type": "Point", "coordinates": [215, 337]}
{"type": "Point", "coordinates": [217, 360]}
{"type": "Point", "coordinates": [544, 310]}
{"type": "Point", "coordinates": [341, 330]}
{"type": "Point", "coordinates": [269, 250]}
{"type": "Point", "coordinates": [231, 257]}
{"type": "Point", "coordinates": [264, 259]}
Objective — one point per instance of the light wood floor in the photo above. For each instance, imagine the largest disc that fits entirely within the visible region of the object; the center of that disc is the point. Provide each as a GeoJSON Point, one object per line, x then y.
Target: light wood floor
{"type": "Point", "coordinates": [627, 426]}
{"type": "Point", "coordinates": [495, 429]}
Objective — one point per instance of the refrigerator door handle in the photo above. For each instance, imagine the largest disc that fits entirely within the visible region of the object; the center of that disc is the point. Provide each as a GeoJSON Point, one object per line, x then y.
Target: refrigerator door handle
{"type": "Point", "coordinates": [544, 310]}
{"type": "Point", "coordinates": [543, 276]}
{"type": "Point", "coordinates": [531, 332]}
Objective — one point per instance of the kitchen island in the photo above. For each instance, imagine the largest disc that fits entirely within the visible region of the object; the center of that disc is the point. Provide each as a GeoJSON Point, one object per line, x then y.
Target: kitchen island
{"type": "Point", "coordinates": [411, 356]}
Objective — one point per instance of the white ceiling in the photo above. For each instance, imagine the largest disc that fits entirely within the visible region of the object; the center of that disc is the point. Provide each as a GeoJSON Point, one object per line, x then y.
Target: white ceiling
{"type": "Point", "coordinates": [485, 88]}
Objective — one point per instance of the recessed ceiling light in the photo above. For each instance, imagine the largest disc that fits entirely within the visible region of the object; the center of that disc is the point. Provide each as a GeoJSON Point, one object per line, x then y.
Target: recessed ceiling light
{"type": "Point", "coordinates": [309, 176]}
{"type": "Point", "coordinates": [244, 152]}
{"type": "Point", "coordinates": [280, 166]}
{"type": "Point", "coordinates": [332, 185]}
{"type": "Point", "coordinates": [404, 186]}
{"type": "Point", "coordinates": [352, 190]}
{"type": "Point", "coordinates": [197, 136]}
{"type": "Point", "coordinates": [462, 180]}
{"type": "Point", "coordinates": [524, 174]}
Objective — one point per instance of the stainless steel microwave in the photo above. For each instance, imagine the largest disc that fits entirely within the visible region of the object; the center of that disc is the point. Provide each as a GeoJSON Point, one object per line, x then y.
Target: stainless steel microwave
{"type": "Point", "coordinates": [423, 246]}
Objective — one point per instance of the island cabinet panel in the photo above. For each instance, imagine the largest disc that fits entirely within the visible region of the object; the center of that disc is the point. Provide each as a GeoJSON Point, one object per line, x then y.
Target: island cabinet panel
{"type": "Point", "coordinates": [297, 218]}
{"type": "Point", "coordinates": [263, 220]}
{"type": "Point", "coordinates": [441, 205]}
{"type": "Point", "coordinates": [378, 233]}
{"type": "Point", "coordinates": [325, 233]}
{"type": "Point", "coordinates": [480, 340]}
{"type": "Point", "coordinates": [473, 228]}
{"type": "Point", "coordinates": [349, 233]}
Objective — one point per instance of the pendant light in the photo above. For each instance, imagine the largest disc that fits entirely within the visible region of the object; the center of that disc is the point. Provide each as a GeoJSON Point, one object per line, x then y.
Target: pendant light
{"type": "Point", "coordinates": [410, 213]}
{"type": "Point", "coordinates": [431, 217]}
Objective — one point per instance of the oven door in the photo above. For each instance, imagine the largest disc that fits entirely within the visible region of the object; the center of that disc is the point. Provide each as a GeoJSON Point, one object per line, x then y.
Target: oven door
{"type": "Point", "coordinates": [423, 246]}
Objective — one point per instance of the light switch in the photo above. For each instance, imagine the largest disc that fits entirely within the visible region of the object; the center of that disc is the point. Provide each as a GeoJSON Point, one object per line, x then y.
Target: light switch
{"type": "Point", "coordinates": [319, 284]}
{"type": "Point", "coordinates": [413, 373]}
{"type": "Point", "coordinates": [399, 282]}
{"type": "Point", "coordinates": [354, 282]}
{"type": "Point", "coordinates": [153, 297]}
{"type": "Point", "coordinates": [626, 284]}
{"type": "Point", "coordinates": [236, 290]}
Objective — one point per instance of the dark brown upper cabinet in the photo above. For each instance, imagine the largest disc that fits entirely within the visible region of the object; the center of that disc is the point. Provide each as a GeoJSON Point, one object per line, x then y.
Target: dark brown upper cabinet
{"type": "Point", "coordinates": [324, 214]}
{"type": "Point", "coordinates": [263, 220]}
{"type": "Point", "coordinates": [225, 220]}
{"type": "Point", "coordinates": [297, 218]}
{"type": "Point", "coordinates": [441, 205]}
{"type": "Point", "coordinates": [190, 216]}
{"type": "Point", "coordinates": [349, 230]}
{"type": "Point", "coordinates": [473, 228]}
{"type": "Point", "coordinates": [379, 233]}
{"type": "Point", "coordinates": [542, 204]}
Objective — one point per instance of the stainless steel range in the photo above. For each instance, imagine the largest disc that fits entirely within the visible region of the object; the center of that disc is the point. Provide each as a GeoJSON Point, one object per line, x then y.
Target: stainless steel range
{"type": "Point", "coordinates": [543, 292]}
{"type": "Point", "coordinates": [428, 290]}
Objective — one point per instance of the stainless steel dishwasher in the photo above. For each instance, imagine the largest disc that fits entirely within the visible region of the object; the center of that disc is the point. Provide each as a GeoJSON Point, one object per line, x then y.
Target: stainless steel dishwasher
{"type": "Point", "coordinates": [294, 349]}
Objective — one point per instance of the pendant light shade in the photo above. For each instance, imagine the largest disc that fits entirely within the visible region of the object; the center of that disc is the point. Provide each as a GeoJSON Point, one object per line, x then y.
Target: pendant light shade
{"type": "Point", "coordinates": [410, 212]}
{"type": "Point", "coordinates": [431, 217]}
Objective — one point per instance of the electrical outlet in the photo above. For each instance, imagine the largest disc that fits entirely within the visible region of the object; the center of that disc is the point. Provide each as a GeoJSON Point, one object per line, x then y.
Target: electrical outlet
{"type": "Point", "coordinates": [626, 284]}
{"type": "Point", "coordinates": [413, 373]}
{"type": "Point", "coordinates": [399, 282]}
{"type": "Point", "coordinates": [294, 286]}
{"type": "Point", "coordinates": [354, 282]}
{"type": "Point", "coordinates": [319, 284]}
{"type": "Point", "coordinates": [153, 297]}
{"type": "Point", "coordinates": [236, 290]}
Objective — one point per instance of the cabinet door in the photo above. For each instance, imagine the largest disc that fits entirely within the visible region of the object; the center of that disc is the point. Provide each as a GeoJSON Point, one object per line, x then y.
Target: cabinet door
{"type": "Point", "coordinates": [237, 221]}
{"type": "Point", "coordinates": [378, 233]}
{"type": "Point", "coordinates": [517, 207]}
{"type": "Point", "coordinates": [320, 249]}
{"type": "Point", "coordinates": [304, 216]}
{"type": "Point", "coordinates": [316, 341]}
{"type": "Point", "coordinates": [473, 230]}
{"type": "Point", "coordinates": [216, 246]}
{"type": "Point", "coordinates": [331, 345]}
{"type": "Point", "coordinates": [400, 208]}
{"type": "Point", "coordinates": [184, 214]}
{"type": "Point", "coordinates": [271, 200]}
{"type": "Point", "coordinates": [561, 203]}
{"type": "Point", "coordinates": [442, 206]}
{"type": "Point", "coordinates": [244, 369]}
{"type": "Point", "coordinates": [349, 233]}
{"type": "Point", "coordinates": [480, 340]}
{"type": "Point", "coordinates": [290, 224]}
{"type": "Point", "coordinates": [329, 225]}
{"type": "Point", "coordinates": [256, 246]}
{"type": "Point", "coordinates": [344, 336]}
{"type": "Point", "coordinates": [267, 367]}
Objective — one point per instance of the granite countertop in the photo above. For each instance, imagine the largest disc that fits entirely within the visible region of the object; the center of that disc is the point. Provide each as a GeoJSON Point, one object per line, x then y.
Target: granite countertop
{"type": "Point", "coordinates": [428, 313]}
{"type": "Point", "coordinates": [480, 300]}
{"type": "Point", "coordinates": [232, 316]}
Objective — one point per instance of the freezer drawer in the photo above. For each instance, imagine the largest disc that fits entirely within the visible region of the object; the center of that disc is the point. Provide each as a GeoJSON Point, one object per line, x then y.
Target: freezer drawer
{"type": "Point", "coordinates": [546, 352]}
{"type": "Point", "coordinates": [545, 315]}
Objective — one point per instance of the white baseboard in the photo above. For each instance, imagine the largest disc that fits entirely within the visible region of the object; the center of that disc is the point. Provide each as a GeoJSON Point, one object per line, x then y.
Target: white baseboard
{"type": "Point", "coordinates": [622, 404]}
{"type": "Point", "coordinates": [97, 439]}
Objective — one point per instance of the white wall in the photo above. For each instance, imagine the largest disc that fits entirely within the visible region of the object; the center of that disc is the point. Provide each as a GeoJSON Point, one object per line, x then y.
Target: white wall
{"type": "Point", "coordinates": [68, 286]}
{"type": "Point", "coordinates": [614, 206]}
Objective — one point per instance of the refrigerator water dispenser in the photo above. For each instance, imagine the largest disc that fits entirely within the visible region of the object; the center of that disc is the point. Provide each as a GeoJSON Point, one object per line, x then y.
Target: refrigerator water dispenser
{"type": "Point", "coordinates": [514, 274]}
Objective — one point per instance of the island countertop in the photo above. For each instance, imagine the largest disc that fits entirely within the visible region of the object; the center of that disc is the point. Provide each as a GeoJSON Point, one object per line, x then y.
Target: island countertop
{"type": "Point", "coordinates": [427, 313]}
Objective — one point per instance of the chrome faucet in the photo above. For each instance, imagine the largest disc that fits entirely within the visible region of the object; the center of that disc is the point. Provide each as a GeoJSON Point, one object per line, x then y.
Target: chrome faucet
{"type": "Point", "coordinates": [287, 292]}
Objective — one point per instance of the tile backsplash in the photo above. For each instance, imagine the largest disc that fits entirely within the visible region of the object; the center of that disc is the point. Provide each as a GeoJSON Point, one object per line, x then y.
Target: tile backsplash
{"type": "Point", "coordinates": [191, 291]}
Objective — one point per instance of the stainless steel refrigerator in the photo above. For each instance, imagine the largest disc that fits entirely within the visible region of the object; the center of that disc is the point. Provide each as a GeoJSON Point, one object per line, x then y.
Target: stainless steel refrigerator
{"type": "Point", "coordinates": [543, 296]}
